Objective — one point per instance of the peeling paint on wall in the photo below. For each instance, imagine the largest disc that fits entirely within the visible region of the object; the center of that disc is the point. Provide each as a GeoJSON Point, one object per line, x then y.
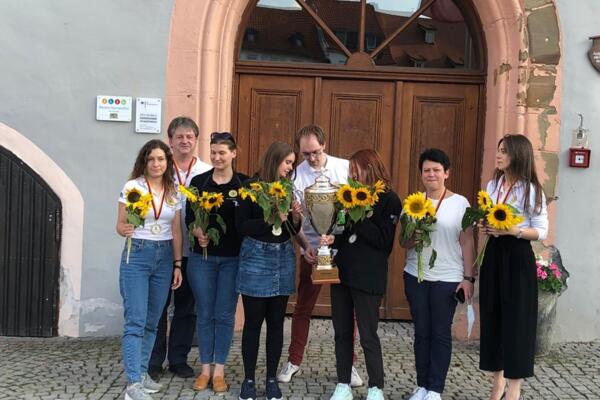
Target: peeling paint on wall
{"type": "Point", "coordinates": [551, 170]}
{"type": "Point", "coordinates": [544, 124]}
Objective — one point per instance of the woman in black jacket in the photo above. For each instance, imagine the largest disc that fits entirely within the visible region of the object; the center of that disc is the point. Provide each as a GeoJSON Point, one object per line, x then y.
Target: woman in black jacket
{"type": "Point", "coordinates": [362, 259]}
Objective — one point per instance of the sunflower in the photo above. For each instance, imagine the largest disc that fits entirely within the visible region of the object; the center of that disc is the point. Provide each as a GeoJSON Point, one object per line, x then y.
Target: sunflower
{"type": "Point", "coordinates": [501, 216]}
{"type": "Point", "coordinates": [378, 188]}
{"type": "Point", "coordinates": [345, 196]}
{"type": "Point", "coordinates": [188, 194]}
{"type": "Point", "coordinates": [133, 195]}
{"type": "Point", "coordinates": [430, 209]}
{"type": "Point", "coordinates": [246, 194]}
{"type": "Point", "coordinates": [416, 205]}
{"type": "Point", "coordinates": [214, 200]}
{"type": "Point", "coordinates": [143, 205]}
{"type": "Point", "coordinates": [256, 186]}
{"type": "Point", "coordinates": [277, 190]}
{"type": "Point", "coordinates": [361, 197]}
{"type": "Point", "coordinates": [484, 200]}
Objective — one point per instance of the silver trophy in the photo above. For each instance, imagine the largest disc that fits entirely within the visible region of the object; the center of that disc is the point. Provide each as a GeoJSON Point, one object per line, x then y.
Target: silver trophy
{"type": "Point", "coordinates": [320, 199]}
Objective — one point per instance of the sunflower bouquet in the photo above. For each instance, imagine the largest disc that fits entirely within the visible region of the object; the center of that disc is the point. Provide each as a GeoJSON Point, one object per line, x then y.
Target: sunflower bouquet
{"type": "Point", "coordinates": [499, 216]}
{"type": "Point", "coordinates": [136, 208]}
{"type": "Point", "coordinates": [274, 198]}
{"type": "Point", "coordinates": [203, 206]}
{"type": "Point", "coordinates": [417, 222]}
{"type": "Point", "coordinates": [357, 200]}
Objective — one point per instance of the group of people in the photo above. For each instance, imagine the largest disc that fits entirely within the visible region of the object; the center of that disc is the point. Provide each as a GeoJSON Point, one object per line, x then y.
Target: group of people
{"type": "Point", "coordinates": [259, 262]}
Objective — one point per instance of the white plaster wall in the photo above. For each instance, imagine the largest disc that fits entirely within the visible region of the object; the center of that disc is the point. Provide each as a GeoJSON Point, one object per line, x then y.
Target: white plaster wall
{"type": "Point", "coordinates": [578, 218]}
{"type": "Point", "coordinates": [56, 56]}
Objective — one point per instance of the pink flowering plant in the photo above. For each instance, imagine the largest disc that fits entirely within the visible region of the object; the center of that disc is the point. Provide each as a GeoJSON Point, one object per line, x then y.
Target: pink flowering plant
{"type": "Point", "coordinates": [549, 276]}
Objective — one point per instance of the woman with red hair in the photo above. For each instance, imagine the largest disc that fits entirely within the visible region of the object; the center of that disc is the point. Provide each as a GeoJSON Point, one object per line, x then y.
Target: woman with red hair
{"type": "Point", "coordinates": [362, 258]}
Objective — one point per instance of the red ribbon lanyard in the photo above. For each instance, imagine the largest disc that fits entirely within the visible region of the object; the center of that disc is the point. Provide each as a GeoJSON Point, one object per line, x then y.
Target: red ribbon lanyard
{"type": "Point", "coordinates": [507, 193]}
{"type": "Point", "coordinates": [162, 200]}
{"type": "Point", "coordinates": [439, 202]}
{"type": "Point", "coordinates": [187, 175]}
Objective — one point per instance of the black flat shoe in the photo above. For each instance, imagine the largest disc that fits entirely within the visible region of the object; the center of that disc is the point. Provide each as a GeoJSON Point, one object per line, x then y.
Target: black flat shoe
{"type": "Point", "coordinates": [182, 370]}
{"type": "Point", "coordinates": [155, 371]}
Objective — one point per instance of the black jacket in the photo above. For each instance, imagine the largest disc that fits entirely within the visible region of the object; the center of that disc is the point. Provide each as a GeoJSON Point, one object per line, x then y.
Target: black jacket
{"type": "Point", "coordinates": [364, 264]}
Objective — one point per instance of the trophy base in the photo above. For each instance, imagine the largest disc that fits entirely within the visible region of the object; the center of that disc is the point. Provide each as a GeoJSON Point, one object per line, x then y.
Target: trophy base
{"type": "Point", "coordinates": [325, 276]}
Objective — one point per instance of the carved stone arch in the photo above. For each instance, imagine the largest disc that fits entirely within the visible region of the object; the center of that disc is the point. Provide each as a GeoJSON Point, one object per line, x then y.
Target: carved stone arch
{"type": "Point", "coordinates": [72, 225]}
{"type": "Point", "coordinates": [202, 50]}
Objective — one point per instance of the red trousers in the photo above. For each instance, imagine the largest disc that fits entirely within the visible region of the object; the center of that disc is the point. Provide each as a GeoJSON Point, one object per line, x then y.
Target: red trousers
{"type": "Point", "coordinates": [305, 303]}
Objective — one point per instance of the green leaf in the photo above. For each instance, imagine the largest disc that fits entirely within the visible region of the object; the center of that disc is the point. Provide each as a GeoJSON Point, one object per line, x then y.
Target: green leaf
{"type": "Point", "coordinates": [432, 258]}
{"type": "Point", "coordinates": [471, 216]}
{"type": "Point", "coordinates": [408, 230]}
{"type": "Point", "coordinates": [221, 223]}
{"type": "Point", "coordinates": [355, 214]}
{"type": "Point", "coordinates": [213, 235]}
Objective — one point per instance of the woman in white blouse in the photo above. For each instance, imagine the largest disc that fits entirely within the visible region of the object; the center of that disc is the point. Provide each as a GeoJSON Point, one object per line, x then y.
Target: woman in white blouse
{"type": "Point", "coordinates": [508, 283]}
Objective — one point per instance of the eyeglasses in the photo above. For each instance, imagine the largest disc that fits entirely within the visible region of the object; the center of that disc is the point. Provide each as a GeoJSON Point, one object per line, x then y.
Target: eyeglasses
{"type": "Point", "coordinates": [314, 154]}
{"type": "Point", "coordinates": [221, 136]}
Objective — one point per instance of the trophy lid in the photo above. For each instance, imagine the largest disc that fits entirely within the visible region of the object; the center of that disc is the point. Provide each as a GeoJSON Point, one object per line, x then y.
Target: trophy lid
{"type": "Point", "coordinates": [322, 185]}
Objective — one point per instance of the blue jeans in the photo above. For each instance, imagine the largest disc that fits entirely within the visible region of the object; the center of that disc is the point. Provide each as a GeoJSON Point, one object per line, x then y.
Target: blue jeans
{"type": "Point", "coordinates": [213, 282]}
{"type": "Point", "coordinates": [432, 306]}
{"type": "Point", "coordinates": [144, 285]}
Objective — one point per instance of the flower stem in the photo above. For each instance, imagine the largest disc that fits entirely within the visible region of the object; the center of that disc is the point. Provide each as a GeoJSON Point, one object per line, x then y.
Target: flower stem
{"type": "Point", "coordinates": [479, 259]}
{"type": "Point", "coordinates": [128, 248]}
{"type": "Point", "coordinates": [420, 272]}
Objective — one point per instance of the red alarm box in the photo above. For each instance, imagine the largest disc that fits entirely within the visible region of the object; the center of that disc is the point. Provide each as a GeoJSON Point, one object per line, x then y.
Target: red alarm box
{"type": "Point", "coordinates": [579, 157]}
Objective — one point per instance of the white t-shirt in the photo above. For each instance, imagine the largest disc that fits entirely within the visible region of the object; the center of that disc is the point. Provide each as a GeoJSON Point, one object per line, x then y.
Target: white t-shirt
{"type": "Point", "coordinates": [336, 169]}
{"type": "Point", "coordinates": [516, 198]}
{"type": "Point", "coordinates": [198, 168]}
{"type": "Point", "coordinates": [165, 221]}
{"type": "Point", "coordinates": [448, 266]}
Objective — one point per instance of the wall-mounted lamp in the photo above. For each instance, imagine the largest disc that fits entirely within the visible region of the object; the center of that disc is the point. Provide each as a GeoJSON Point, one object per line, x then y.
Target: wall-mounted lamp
{"type": "Point", "coordinates": [579, 153]}
{"type": "Point", "coordinates": [594, 53]}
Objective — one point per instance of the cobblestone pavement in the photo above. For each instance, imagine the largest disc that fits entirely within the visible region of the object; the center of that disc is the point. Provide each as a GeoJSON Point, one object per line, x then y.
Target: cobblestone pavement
{"type": "Point", "coordinates": [90, 368]}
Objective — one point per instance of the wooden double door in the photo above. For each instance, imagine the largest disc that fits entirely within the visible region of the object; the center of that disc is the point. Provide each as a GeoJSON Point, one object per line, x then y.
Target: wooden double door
{"type": "Point", "coordinates": [398, 118]}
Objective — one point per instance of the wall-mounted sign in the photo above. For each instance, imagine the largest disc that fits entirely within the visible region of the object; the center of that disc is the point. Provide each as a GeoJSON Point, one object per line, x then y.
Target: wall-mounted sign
{"type": "Point", "coordinates": [594, 53]}
{"type": "Point", "coordinates": [147, 115]}
{"type": "Point", "coordinates": [113, 108]}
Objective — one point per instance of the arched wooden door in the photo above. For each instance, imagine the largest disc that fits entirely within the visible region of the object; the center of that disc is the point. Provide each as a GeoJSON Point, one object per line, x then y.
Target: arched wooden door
{"type": "Point", "coordinates": [308, 64]}
{"type": "Point", "coordinates": [30, 226]}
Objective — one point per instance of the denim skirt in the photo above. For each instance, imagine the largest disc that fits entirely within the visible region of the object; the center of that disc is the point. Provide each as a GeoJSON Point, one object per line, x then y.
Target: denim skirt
{"type": "Point", "coordinates": [266, 269]}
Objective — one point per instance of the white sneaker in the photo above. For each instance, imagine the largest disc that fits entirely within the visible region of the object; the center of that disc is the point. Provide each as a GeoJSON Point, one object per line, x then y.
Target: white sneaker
{"type": "Point", "coordinates": [136, 392]}
{"type": "Point", "coordinates": [287, 372]}
{"type": "Point", "coordinates": [418, 394]}
{"type": "Point", "coordinates": [342, 392]}
{"type": "Point", "coordinates": [432, 396]}
{"type": "Point", "coordinates": [149, 385]}
{"type": "Point", "coordinates": [355, 380]}
{"type": "Point", "coordinates": [375, 394]}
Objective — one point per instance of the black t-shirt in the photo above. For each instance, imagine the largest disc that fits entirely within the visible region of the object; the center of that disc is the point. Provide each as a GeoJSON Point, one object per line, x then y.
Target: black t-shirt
{"type": "Point", "coordinates": [229, 241]}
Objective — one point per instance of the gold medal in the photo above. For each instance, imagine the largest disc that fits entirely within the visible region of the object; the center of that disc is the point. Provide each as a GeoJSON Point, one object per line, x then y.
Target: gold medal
{"type": "Point", "coordinates": [233, 193]}
{"type": "Point", "coordinates": [155, 229]}
{"type": "Point", "coordinates": [276, 231]}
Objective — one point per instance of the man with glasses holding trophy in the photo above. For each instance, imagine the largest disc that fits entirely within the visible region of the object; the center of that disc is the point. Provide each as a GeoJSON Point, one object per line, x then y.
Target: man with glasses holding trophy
{"type": "Point", "coordinates": [310, 141]}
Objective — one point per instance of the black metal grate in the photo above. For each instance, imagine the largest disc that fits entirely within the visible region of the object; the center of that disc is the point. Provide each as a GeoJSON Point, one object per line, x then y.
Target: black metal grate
{"type": "Point", "coordinates": [30, 226]}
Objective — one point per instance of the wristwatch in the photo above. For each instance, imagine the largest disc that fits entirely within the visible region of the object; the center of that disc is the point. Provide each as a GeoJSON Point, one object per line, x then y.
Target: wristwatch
{"type": "Point", "coordinates": [469, 278]}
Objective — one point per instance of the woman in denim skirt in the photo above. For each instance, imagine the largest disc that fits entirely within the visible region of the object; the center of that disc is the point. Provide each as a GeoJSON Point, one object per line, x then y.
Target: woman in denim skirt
{"type": "Point", "coordinates": [154, 259]}
{"type": "Point", "coordinates": [213, 280]}
{"type": "Point", "coordinates": [266, 274]}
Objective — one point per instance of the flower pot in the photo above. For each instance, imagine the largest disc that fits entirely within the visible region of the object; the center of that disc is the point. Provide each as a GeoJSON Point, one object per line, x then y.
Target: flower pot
{"type": "Point", "coordinates": [545, 321]}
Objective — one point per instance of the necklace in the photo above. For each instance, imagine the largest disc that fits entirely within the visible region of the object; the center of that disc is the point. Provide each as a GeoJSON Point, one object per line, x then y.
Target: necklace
{"type": "Point", "coordinates": [439, 202]}
{"type": "Point", "coordinates": [189, 170]}
{"type": "Point", "coordinates": [156, 229]}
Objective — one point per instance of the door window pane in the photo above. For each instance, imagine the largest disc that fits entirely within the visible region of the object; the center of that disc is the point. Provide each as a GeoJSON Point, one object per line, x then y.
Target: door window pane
{"type": "Point", "coordinates": [280, 30]}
